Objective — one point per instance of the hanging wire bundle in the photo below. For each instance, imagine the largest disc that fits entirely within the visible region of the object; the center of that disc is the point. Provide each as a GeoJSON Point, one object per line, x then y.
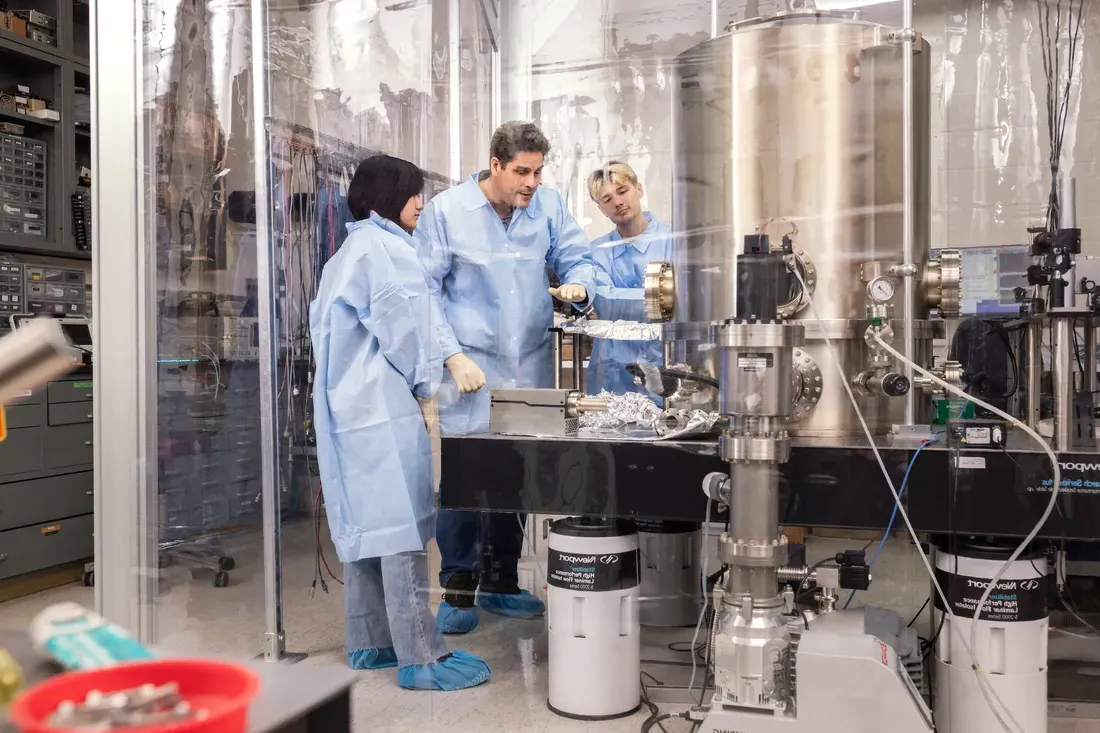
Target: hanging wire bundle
{"type": "Point", "coordinates": [1056, 22]}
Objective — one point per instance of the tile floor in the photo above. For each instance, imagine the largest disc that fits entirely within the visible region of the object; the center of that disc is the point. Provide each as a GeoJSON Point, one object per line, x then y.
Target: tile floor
{"type": "Point", "coordinates": [192, 614]}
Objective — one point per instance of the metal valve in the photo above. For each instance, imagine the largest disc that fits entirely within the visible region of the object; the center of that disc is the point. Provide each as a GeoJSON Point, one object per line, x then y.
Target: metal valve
{"type": "Point", "coordinates": [950, 372]}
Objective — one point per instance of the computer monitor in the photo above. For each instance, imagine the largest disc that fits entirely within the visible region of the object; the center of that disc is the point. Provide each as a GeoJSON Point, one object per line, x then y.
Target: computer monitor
{"type": "Point", "coordinates": [990, 276]}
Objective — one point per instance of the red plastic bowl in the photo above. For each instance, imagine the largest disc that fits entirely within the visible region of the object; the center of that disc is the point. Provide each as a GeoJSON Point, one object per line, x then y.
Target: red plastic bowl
{"type": "Point", "coordinates": [224, 690]}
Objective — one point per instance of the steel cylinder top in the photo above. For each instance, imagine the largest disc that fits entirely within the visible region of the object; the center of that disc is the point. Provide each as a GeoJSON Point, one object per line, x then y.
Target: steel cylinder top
{"type": "Point", "coordinates": [790, 127]}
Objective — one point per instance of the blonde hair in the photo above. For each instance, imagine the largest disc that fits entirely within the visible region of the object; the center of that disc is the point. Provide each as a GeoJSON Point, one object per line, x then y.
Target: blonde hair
{"type": "Point", "coordinates": [617, 172]}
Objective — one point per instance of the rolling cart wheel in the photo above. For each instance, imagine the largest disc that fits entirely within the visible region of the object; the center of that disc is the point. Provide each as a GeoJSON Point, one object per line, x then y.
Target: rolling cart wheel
{"type": "Point", "coordinates": [221, 579]}
{"type": "Point", "coordinates": [88, 579]}
{"type": "Point", "coordinates": [226, 563]}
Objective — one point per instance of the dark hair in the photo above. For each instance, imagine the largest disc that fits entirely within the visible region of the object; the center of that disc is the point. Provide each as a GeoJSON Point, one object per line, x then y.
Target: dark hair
{"type": "Point", "coordinates": [513, 138]}
{"type": "Point", "coordinates": [383, 184]}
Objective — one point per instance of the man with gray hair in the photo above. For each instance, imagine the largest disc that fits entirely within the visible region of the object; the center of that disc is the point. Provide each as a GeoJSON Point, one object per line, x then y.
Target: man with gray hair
{"type": "Point", "coordinates": [485, 246]}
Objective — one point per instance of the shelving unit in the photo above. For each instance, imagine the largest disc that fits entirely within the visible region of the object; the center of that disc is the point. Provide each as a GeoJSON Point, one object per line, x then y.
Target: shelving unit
{"type": "Point", "coordinates": [55, 73]}
{"type": "Point", "coordinates": [46, 462]}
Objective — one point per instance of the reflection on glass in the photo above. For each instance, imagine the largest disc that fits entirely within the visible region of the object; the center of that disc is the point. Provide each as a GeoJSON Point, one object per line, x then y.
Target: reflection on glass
{"type": "Point", "coordinates": [664, 143]}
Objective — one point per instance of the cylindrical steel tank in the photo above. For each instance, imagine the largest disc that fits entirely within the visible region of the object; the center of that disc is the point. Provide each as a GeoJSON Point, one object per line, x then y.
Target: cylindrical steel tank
{"type": "Point", "coordinates": [793, 127]}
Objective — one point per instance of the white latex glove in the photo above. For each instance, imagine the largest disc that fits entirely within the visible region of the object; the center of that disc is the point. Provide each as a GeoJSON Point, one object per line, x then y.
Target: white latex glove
{"type": "Point", "coordinates": [430, 410]}
{"type": "Point", "coordinates": [570, 293]}
{"type": "Point", "coordinates": [467, 375]}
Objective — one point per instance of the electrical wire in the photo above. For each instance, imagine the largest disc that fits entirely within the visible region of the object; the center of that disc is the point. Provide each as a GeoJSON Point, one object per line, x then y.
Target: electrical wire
{"type": "Point", "coordinates": [987, 692]}
{"type": "Point", "coordinates": [704, 556]}
{"type": "Point", "coordinates": [894, 513]}
{"type": "Point", "coordinates": [523, 529]}
{"type": "Point", "coordinates": [919, 612]}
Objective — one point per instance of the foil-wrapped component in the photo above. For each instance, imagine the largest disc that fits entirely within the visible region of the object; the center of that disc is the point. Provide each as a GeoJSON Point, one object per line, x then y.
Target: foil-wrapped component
{"type": "Point", "coordinates": [635, 409]}
{"type": "Point", "coordinates": [632, 408]}
{"type": "Point", "coordinates": [615, 330]}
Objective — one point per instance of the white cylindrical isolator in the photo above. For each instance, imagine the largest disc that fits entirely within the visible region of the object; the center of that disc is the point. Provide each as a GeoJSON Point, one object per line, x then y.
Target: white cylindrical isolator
{"type": "Point", "coordinates": [592, 578]}
{"type": "Point", "coordinates": [671, 589]}
{"type": "Point", "coordinates": [1011, 641]}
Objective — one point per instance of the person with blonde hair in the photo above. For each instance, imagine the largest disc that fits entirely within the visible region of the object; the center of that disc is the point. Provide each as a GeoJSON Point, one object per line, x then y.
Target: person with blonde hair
{"type": "Point", "coordinates": [621, 257]}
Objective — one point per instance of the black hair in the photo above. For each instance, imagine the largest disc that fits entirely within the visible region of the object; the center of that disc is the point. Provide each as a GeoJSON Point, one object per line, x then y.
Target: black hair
{"type": "Point", "coordinates": [383, 184]}
{"type": "Point", "coordinates": [513, 138]}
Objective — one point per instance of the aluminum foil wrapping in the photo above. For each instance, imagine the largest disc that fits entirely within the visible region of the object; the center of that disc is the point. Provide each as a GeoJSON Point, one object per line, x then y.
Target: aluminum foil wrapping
{"type": "Point", "coordinates": [636, 410]}
{"type": "Point", "coordinates": [616, 330]}
{"type": "Point", "coordinates": [633, 408]}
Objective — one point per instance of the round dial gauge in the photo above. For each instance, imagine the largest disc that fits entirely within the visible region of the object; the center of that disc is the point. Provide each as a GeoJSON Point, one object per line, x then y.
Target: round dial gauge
{"type": "Point", "coordinates": [881, 289]}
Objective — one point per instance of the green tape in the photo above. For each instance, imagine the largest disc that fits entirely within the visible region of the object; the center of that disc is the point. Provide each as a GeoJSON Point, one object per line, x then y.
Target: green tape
{"type": "Point", "coordinates": [82, 385]}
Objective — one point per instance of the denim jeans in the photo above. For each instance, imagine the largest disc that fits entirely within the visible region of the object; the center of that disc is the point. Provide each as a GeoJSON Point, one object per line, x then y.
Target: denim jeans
{"type": "Point", "coordinates": [386, 604]}
{"type": "Point", "coordinates": [484, 545]}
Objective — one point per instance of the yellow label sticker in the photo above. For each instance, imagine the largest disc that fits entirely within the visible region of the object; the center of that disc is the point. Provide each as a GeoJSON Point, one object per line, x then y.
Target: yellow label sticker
{"type": "Point", "coordinates": [3, 425]}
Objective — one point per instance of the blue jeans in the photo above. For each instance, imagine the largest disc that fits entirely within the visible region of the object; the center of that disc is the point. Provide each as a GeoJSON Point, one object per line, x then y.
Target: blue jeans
{"type": "Point", "coordinates": [482, 547]}
{"type": "Point", "coordinates": [386, 604]}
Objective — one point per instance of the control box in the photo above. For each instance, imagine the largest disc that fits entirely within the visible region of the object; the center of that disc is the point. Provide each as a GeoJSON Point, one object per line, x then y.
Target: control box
{"type": "Point", "coordinates": [977, 433]}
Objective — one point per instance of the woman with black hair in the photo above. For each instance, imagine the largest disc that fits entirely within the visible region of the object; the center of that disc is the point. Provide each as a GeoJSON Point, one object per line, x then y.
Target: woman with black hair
{"type": "Point", "coordinates": [378, 361]}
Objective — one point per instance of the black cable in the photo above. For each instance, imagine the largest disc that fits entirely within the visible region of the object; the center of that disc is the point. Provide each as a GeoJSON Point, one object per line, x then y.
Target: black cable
{"type": "Point", "coordinates": [690, 377]}
{"type": "Point", "coordinates": [652, 721]}
{"type": "Point", "coordinates": [654, 711]}
{"type": "Point", "coordinates": [919, 612]}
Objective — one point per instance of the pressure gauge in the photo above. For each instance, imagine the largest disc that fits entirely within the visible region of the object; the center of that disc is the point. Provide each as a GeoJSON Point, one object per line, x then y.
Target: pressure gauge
{"type": "Point", "coordinates": [881, 289]}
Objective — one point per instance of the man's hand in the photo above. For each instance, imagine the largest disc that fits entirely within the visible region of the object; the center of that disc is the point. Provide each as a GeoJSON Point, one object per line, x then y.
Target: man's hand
{"type": "Point", "coordinates": [467, 375]}
{"type": "Point", "coordinates": [570, 293]}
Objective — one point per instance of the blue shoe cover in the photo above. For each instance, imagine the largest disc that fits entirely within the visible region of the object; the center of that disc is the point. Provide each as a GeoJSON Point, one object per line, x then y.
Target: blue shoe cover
{"type": "Point", "coordinates": [384, 658]}
{"type": "Point", "coordinates": [512, 605]}
{"type": "Point", "coordinates": [456, 671]}
{"type": "Point", "coordinates": [453, 620]}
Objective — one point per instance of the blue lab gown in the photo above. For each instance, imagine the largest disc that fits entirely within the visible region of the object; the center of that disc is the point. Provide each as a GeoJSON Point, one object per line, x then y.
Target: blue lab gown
{"type": "Point", "coordinates": [376, 347]}
{"type": "Point", "coordinates": [620, 297]}
{"type": "Point", "coordinates": [491, 284]}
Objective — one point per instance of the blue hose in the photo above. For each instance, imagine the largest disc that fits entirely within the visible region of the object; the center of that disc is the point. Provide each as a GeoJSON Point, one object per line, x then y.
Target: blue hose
{"type": "Point", "coordinates": [894, 514]}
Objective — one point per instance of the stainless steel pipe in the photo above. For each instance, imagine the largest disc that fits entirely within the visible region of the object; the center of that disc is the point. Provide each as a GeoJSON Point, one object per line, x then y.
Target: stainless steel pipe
{"type": "Point", "coordinates": [1062, 370]}
{"type": "Point", "coordinates": [1034, 373]}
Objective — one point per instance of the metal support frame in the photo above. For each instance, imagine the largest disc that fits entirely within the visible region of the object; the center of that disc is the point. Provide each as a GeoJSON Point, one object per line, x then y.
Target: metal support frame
{"type": "Point", "coordinates": [124, 428]}
{"type": "Point", "coordinates": [908, 234]}
{"type": "Point", "coordinates": [274, 647]}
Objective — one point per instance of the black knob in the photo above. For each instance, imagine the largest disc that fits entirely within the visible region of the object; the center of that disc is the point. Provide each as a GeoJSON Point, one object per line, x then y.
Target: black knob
{"type": "Point", "coordinates": [895, 385]}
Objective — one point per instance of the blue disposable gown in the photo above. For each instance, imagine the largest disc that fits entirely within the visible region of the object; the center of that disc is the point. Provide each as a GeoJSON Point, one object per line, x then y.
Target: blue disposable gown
{"type": "Point", "coordinates": [492, 287]}
{"type": "Point", "coordinates": [619, 297]}
{"type": "Point", "coordinates": [375, 346]}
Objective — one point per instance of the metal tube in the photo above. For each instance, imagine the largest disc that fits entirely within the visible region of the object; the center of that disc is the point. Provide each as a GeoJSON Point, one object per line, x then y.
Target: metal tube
{"type": "Point", "coordinates": [454, 90]}
{"type": "Point", "coordinates": [274, 642]}
{"type": "Point", "coordinates": [578, 362]}
{"type": "Point", "coordinates": [1067, 203]}
{"type": "Point", "coordinates": [1089, 378]}
{"type": "Point", "coordinates": [590, 404]}
{"type": "Point", "coordinates": [1067, 219]}
{"type": "Point", "coordinates": [754, 518]}
{"type": "Point", "coordinates": [1034, 373]}
{"type": "Point", "coordinates": [556, 339]}
{"type": "Point", "coordinates": [1062, 378]}
{"type": "Point", "coordinates": [908, 183]}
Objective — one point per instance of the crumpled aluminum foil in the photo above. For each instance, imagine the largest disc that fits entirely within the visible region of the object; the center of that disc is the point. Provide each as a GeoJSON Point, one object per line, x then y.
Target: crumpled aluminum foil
{"type": "Point", "coordinates": [637, 410]}
{"type": "Point", "coordinates": [615, 330]}
{"type": "Point", "coordinates": [632, 408]}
